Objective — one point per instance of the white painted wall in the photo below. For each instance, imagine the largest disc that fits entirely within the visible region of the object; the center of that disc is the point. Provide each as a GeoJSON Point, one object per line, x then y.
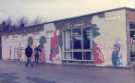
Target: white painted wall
{"type": "Point", "coordinates": [112, 28]}
{"type": "Point", "coordinates": [13, 41]}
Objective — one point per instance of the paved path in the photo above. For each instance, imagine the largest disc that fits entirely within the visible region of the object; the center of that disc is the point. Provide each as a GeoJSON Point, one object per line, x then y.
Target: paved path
{"type": "Point", "coordinates": [13, 72]}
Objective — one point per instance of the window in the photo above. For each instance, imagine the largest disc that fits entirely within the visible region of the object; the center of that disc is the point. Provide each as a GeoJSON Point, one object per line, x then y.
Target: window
{"type": "Point", "coordinates": [77, 45]}
{"type": "Point", "coordinates": [132, 42]}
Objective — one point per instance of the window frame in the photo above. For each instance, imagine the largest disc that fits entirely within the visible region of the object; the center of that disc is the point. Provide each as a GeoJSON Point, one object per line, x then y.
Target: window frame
{"type": "Point", "coordinates": [72, 50]}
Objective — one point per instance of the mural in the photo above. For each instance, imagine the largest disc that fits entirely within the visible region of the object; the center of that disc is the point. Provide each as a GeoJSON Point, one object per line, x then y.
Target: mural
{"type": "Point", "coordinates": [97, 54]}
{"type": "Point", "coordinates": [45, 42]}
{"type": "Point", "coordinates": [42, 55]}
{"type": "Point", "coordinates": [10, 52]}
{"type": "Point", "coordinates": [19, 50]}
{"type": "Point", "coordinates": [54, 47]}
{"type": "Point", "coordinates": [30, 41]}
{"type": "Point", "coordinates": [39, 41]}
{"type": "Point", "coordinates": [116, 55]}
{"type": "Point", "coordinates": [38, 45]}
{"type": "Point", "coordinates": [104, 32]}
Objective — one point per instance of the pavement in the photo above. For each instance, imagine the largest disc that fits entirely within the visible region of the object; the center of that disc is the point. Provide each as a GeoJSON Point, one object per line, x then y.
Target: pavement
{"type": "Point", "coordinates": [16, 72]}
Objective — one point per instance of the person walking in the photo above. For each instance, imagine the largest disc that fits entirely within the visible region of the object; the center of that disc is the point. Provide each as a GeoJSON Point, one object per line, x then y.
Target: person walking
{"type": "Point", "coordinates": [28, 53]}
{"type": "Point", "coordinates": [37, 53]}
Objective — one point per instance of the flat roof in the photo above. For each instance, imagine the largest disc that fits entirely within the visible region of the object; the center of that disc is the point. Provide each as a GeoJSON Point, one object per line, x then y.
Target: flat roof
{"type": "Point", "coordinates": [90, 14]}
{"type": "Point", "coordinates": [95, 13]}
{"type": "Point", "coordinates": [77, 17]}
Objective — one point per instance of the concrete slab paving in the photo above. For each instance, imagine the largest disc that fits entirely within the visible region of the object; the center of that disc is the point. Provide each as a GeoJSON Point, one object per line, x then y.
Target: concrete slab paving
{"type": "Point", "coordinates": [16, 72]}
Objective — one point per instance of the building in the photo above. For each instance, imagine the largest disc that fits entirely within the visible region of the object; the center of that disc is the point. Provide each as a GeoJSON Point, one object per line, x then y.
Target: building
{"type": "Point", "coordinates": [105, 38]}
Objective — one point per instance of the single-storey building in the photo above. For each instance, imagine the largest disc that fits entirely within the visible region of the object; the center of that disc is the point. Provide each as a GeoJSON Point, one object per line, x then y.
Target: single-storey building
{"type": "Point", "coordinates": [105, 38]}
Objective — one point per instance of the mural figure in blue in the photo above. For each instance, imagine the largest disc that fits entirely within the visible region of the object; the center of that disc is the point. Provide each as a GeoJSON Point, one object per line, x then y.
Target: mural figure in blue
{"type": "Point", "coordinates": [116, 56]}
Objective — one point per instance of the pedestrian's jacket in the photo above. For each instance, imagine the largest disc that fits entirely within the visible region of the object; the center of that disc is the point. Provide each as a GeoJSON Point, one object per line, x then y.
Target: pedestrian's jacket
{"type": "Point", "coordinates": [28, 51]}
{"type": "Point", "coordinates": [37, 51]}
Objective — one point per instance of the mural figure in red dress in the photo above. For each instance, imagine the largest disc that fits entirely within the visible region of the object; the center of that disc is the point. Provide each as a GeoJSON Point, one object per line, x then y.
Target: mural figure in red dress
{"type": "Point", "coordinates": [97, 54]}
{"type": "Point", "coordinates": [54, 46]}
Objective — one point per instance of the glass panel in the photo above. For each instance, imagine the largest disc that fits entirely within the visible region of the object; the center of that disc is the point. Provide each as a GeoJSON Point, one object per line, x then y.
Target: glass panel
{"type": "Point", "coordinates": [132, 26]}
{"type": "Point", "coordinates": [68, 55]}
{"type": "Point", "coordinates": [87, 55]}
{"type": "Point", "coordinates": [67, 39]}
{"type": "Point", "coordinates": [133, 46]}
{"type": "Point", "coordinates": [86, 38]}
{"type": "Point", "coordinates": [132, 43]}
{"type": "Point", "coordinates": [132, 34]}
{"type": "Point", "coordinates": [77, 38]}
{"type": "Point", "coordinates": [132, 56]}
{"type": "Point", "coordinates": [77, 55]}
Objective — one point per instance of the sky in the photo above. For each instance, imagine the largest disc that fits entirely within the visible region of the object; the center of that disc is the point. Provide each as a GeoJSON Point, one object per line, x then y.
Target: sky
{"type": "Point", "coordinates": [50, 10]}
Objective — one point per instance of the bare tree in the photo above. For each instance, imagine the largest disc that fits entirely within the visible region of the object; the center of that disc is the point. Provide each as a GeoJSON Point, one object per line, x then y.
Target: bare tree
{"type": "Point", "coordinates": [6, 25]}
{"type": "Point", "coordinates": [8, 22]}
{"type": "Point", "coordinates": [37, 20]}
{"type": "Point", "coordinates": [2, 25]}
{"type": "Point", "coordinates": [23, 21]}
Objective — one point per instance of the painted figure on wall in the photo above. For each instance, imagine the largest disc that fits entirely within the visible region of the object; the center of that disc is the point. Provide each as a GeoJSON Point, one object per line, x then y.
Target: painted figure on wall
{"type": "Point", "coordinates": [41, 47]}
{"type": "Point", "coordinates": [97, 54]}
{"type": "Point", "coordinates": [116, 55]}
{"type": "Point", "coordinates": [41, 55]}
{"type": "Point", "coordinates": [30, 41]}
{"type": "Point", "coordinates": [19, 52]}
{"type": "Point", "coordinates": [54, 47]}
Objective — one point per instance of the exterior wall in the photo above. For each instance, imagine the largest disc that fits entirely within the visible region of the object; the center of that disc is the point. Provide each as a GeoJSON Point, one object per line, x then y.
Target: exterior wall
{"type": "Point", "coordinates": [111, 40]}
{"type": "Point", "coordinates": [112, 28]}
{"type": "Point", "coordinates": [112, 35]}
{"type": "Point", "coordinates": [13, 45]}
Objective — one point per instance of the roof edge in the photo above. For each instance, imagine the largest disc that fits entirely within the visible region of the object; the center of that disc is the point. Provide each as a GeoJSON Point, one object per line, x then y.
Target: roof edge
{"type": "Point", "coordinates": [94, 13]}
{"type": "Point", "coordinates": [108, 10]}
